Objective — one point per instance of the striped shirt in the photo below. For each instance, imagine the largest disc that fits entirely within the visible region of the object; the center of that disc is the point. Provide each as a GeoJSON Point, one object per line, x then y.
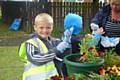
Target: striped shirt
{"type": "Point", "coordinates": [112, 28]}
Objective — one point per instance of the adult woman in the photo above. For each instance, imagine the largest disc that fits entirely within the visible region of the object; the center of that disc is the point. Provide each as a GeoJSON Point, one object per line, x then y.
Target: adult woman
{"type": "Point", "coordinates": [109, 19]}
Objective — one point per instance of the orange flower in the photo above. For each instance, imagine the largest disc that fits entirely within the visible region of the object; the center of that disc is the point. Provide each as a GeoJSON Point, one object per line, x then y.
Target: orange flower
{"type": "Point", "coordinates": [94, 51]}
{"type": "Point", "coordinates": [102, 71]}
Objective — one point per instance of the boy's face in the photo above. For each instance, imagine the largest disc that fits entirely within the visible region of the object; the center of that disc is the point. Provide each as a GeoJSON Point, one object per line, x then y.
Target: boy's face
{"type": "Point", "coordinates": [44, 29]}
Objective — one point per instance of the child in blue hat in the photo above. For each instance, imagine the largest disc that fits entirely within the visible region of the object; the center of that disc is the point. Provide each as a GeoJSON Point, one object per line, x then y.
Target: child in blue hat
{"type": "Point", "coordinates": [72, 24]}
{"type": "Point", "coordinates": [74, 21]}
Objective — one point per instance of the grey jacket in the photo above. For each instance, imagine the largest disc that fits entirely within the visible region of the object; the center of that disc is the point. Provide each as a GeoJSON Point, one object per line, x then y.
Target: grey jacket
{"type": "Point", "coordinates": [38, 58]}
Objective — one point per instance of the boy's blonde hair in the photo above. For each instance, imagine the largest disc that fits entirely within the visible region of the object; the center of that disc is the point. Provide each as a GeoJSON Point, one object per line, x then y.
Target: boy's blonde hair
{"type": "Point", "coordinates": [43, 17]}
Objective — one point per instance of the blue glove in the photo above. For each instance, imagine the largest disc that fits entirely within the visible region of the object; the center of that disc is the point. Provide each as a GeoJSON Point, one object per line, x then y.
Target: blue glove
{"type": "Point", "coordinates": [63, 46]}
{"type": "Point", "coordinates": [109, 42]}
{"type": "Point", "coordinates": [94, 27]}
{"type": "Point", "coordinates": [95, 39]}
{"type": "Point", "coordinates": [73, 20]}
{"type": "Point", "coordinates": [67, 35]}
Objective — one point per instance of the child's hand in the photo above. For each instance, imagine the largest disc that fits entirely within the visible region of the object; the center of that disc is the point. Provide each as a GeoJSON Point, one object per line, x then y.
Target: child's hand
{"type": "Point", "coordinates": [63, 46]}
{"type": "Point", "coordinates": [67, 35]}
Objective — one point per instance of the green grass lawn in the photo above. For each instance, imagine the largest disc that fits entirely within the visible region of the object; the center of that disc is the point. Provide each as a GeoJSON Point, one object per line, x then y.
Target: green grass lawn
{"type": "Point", "coordinates": [11, 67]}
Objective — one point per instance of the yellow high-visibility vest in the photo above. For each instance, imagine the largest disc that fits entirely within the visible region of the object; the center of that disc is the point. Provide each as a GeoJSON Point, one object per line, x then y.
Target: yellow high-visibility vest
{"type": "Point", "coordinates": [42, 72]}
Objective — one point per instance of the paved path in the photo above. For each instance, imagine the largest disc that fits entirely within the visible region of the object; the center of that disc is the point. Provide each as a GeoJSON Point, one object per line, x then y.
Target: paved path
{"type": "Point", "coordinates": [11, 41]}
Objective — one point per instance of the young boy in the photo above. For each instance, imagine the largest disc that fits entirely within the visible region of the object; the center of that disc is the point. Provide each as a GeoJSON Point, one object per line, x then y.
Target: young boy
{"type": "Point", "coordinates": [75, 21]}
{"type": "Point", "coordinates": [41, 50]}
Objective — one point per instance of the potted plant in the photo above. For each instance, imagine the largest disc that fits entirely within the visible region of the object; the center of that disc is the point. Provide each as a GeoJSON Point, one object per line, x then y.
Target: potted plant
{"type": "Point", "coordinates": [85, 61]}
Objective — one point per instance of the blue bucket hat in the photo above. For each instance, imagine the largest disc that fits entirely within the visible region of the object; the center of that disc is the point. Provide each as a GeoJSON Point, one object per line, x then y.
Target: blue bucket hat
{"type": "Point", "coordinates": [75, 21]}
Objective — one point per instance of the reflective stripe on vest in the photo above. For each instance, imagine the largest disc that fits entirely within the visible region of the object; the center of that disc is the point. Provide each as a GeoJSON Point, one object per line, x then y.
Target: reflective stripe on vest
{"type": "Point", "coordinates": [42, 72]}
{"type": "Point", "coordinates": [39, 44]}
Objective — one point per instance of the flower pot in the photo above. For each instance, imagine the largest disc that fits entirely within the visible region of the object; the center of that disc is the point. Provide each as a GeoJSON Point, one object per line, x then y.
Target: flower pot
{"type": "Point", "coordinates": [77, 67]}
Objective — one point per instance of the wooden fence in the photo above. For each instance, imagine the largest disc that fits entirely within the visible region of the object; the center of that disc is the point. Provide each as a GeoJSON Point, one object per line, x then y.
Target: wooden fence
{"type": "Point", "coordinates": [58, 10]}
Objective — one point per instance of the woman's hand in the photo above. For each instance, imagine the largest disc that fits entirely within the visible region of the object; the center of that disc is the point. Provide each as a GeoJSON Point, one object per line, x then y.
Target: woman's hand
{"type": "Point", "coordinates": [100, 31]}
